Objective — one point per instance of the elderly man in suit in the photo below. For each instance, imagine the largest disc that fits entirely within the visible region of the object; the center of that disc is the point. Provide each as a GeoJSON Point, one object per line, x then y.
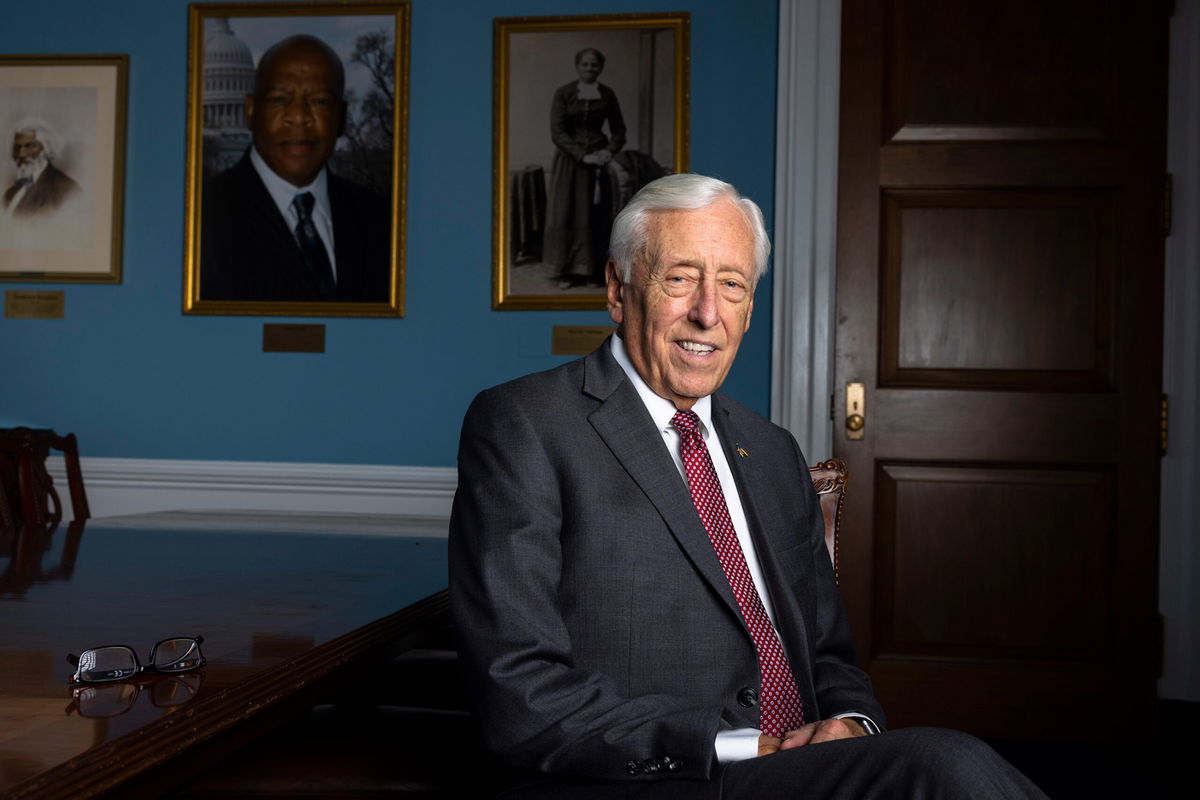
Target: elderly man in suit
{"type": "Point", "coordinates": [638, 573]}
{"type": "Point", "coordinates": [40, 187]}
{"type": "Point", "coordinates": [279, 226]}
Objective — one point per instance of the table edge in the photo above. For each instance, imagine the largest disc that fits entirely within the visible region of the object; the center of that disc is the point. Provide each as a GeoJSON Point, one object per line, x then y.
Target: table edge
{"type": "Point", "coordinates": [102, 768]}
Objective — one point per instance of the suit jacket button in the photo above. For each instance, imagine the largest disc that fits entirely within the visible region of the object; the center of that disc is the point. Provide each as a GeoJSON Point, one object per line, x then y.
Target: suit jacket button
{"type": "Point", "coordinates": [633, 768]}
{"type": "Point", "coordinates": [672, 764]}
{"type": "Point", "coordinates": [747, 698]}
{"type": "Point", "coordinates": [651, 766]}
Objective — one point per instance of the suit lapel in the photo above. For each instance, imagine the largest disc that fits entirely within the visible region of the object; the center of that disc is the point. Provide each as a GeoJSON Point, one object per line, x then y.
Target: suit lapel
{"type": "Point", "coordinates": [753, 484]}
{"type": "Point", "coordinates": [627, 429]}
{"type": "Point", "coordinates": [278, 246]}
{"type": "Point", "coordinates": [757, 483]}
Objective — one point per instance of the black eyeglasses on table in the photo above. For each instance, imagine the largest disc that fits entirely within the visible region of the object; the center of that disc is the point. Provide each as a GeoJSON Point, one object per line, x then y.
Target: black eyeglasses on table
{"type": "Point", "coordinates": [118, 662]}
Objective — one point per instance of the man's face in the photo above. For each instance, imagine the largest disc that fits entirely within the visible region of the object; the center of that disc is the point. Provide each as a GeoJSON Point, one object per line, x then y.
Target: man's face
{"type": "Point", "coordinates": [296, 114]}
{"type": "Point", "coordinates": [26, 148]}
{"type": "Point", "coordinates": [683, 315]}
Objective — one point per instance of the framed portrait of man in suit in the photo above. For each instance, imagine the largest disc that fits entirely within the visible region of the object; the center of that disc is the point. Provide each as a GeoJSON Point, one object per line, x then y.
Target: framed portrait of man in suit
{"type": "Point", "coordinates": [587, 110]}
{"type": "Point", "coordinates": [296, 165]}
{"type": "Point", "coordinates": [62, 167]}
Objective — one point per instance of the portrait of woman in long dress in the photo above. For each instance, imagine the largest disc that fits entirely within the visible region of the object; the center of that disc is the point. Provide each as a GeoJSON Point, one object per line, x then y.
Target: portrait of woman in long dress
{"type": "Point", "coordinates": [580, 201]}
{"type": "Point", "coordinates": [569, 156]}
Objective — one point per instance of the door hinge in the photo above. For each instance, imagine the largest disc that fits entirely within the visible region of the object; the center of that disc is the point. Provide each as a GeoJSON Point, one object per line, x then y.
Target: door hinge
{"type": "Point", "coordinates": [1167, 201]}
{"type": "Point", "coordinates": [1164, 420]}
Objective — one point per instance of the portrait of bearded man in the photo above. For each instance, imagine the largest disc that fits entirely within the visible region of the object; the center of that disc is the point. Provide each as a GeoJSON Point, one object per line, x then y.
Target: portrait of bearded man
{"type": "Point", "coordinates": [40, 187]}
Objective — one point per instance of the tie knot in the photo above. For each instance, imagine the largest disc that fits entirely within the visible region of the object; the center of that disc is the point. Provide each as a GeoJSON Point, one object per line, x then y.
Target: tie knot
{"type": "Point", "coordinates": [686, 422]}
{"type": "Point", "coordinates": [304, 205]}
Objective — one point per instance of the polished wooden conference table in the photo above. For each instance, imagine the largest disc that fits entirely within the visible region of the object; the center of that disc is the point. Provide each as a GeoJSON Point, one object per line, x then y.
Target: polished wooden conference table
{"type": "Point", "coordinates": [287, 608]}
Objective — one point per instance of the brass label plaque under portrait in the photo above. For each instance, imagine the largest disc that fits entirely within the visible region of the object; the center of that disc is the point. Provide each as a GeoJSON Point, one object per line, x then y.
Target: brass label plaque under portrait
{"type": "Point", "coordinates": [20, 304]}
{"type": "Point", "coordinates": [578, 340]}
{"type": "Point", "coordinates": [284, 338]}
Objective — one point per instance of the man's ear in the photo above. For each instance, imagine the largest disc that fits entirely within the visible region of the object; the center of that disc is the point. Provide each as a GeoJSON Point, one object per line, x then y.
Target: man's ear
{"type": "Point", "coordinates": [612, 279]}
{"type": "Point", "coordinates": [248, 107]}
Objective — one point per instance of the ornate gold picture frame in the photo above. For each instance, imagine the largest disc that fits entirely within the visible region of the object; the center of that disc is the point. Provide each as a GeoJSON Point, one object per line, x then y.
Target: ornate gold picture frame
{"type": "Point", "coordinates": [314, 224]}
{"type": "Point", "coordinates": [587, 109]}
{"type": "Point", "coordinates": [63, 170]}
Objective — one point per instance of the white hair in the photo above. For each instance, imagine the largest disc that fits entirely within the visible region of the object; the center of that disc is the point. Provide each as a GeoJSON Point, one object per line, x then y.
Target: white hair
{"type": "Point", "coordinates": [681, 192]}
{"type": "Point", "coordinates": [51, 142]}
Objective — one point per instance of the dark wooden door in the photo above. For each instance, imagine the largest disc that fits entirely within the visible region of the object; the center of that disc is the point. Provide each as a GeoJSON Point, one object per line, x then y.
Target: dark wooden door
{"type": "Point", "coordinates": [1000, 258]}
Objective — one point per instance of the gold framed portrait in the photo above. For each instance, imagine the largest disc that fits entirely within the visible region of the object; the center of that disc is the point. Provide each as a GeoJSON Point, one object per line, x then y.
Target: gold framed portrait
{"type": "Point", "coordinates": [296, 158]}
{"type": "Point", "coordinates": [587, 110]}
{"type": "Point", "coordinates": [63, 119]}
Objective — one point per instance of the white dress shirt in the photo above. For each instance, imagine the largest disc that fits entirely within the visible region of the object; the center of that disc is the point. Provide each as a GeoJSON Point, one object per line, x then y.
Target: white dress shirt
{"type": "Point", "coordinates": [283, 193]}
{"type": "Point", "coordinates": [662, 410]}
{"type": "Point", "coordinates": [740, 743]}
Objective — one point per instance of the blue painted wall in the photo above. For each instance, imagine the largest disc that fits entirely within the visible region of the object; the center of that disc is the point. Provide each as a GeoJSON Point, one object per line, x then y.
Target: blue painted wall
{"type": "Point", "coordinates": [135, 378]}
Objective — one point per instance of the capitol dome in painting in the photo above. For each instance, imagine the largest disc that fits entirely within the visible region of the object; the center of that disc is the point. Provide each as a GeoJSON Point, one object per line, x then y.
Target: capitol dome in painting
{"type": "Point", "coordinates": [228, 78]}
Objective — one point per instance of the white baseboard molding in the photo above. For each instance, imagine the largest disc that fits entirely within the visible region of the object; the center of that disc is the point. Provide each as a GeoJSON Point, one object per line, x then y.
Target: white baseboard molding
{"type": "Point", "coordinates": [122, 486]}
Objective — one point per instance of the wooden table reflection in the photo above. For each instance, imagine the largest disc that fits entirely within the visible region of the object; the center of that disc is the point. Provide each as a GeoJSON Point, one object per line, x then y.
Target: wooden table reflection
{"type": "Point", "coordinates": [282, 614]}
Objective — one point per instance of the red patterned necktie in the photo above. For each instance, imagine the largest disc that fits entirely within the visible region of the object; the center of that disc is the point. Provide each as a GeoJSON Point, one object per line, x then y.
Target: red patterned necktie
{"type": "Point", "coordinates": [779, 709]}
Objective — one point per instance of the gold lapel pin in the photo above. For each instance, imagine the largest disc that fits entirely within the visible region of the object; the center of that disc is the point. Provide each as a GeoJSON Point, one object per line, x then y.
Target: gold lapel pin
{"type": "Point", "coordinates": [741, 451]}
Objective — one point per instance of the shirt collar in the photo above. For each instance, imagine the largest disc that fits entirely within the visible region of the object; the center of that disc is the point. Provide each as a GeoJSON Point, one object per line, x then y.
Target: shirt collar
{"type": "Point", "coordinates": [661, 409]}
{"type": "Point", "coordinates": [283, 192]}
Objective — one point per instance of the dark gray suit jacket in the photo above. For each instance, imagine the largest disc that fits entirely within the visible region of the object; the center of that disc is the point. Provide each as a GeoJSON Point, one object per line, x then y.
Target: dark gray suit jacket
{"type": "Point", "coordinates": [598, 631]}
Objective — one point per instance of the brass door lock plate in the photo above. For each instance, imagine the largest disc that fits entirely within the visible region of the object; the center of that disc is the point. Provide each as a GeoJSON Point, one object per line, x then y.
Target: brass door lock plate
{"type": "Point", "coordinates": [856, 419]}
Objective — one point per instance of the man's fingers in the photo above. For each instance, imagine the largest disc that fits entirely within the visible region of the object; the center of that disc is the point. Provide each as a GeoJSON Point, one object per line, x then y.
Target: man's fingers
{"type": "Point", "coordinates": [798, 737]}
{"type": "Point", "coordinates": [826, 730]}
{"type": "Point", "coordinates": [830, 729]}
{"type": "Point", "coordinates": [767, 745]}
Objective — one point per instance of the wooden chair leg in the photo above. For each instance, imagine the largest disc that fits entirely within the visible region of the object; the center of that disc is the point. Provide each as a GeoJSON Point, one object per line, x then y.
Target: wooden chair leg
{"type": "Point", "coordinates": [32, 514]}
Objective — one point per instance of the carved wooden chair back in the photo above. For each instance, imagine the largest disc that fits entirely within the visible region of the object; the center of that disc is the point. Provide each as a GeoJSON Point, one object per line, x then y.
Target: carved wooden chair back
{"type": "Point", "coordinates": [36, 501]}
{"type": "Point", "coordinates": [829, 479]}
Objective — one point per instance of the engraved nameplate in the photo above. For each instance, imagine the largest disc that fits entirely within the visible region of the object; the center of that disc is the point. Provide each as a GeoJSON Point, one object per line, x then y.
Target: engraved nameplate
{"type": "Point", "coordinates": [293, 338]}
{"type": "Point", "coordinates": [578, 340]}
{"type": "Point", "coordinates": [24, 304]}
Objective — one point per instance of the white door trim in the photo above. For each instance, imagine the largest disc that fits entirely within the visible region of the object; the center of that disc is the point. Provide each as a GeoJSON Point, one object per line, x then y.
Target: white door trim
{"type": "Point", "coordinates": [806, 221]}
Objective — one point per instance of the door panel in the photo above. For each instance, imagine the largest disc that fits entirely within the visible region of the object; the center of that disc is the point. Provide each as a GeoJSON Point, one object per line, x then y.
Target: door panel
{"type": "Point", "coordinates": [932, 534]}
{"type": "Point", "coordinates": [957, 263]}
{"type": "Point", "coordinates": [1027, 70]}
{"type": "Point", "coordinates": [999, 293]}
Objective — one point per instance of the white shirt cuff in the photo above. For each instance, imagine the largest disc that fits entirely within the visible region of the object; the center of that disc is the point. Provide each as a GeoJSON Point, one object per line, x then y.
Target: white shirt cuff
{"type": "Point", "coordinates": [742, 743]}
{"type": "Point", "coordinates": [737, 745]}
